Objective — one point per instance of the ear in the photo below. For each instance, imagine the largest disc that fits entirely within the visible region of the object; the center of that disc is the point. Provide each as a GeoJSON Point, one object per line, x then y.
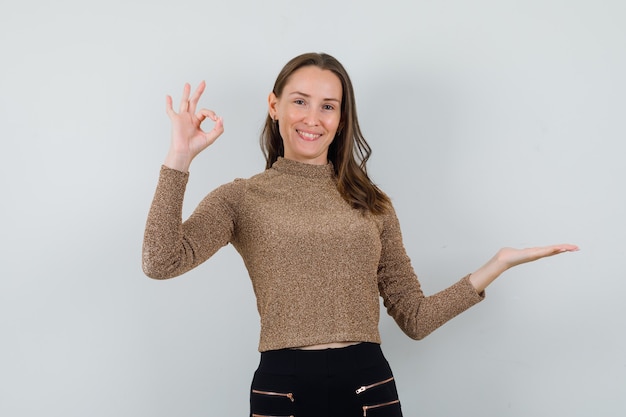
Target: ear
{"type": "Point", "coordinates": [272, 102]}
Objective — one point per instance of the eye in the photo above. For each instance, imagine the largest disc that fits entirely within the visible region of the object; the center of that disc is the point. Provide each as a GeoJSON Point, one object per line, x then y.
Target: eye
{"type": "Point", "coordinates": [298, 101]}
{"type": "Point", "coordinates": [329, 107]}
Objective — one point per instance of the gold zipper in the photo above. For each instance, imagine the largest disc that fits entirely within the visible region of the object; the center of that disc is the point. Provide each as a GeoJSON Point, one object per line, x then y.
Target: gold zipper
{"type": "Point", "coordinates": [366, 387]}
{"type": "Point", "coordinates": [275, 394]}
{"type": "Point", "coordinates": [371, 407]}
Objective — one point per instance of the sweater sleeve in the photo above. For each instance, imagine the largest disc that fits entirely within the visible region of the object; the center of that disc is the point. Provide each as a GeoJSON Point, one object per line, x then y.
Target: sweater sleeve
{"type": "Point", "coordinates": [416, 314]}
{"type": "Point", "coordinates": [172, 247]}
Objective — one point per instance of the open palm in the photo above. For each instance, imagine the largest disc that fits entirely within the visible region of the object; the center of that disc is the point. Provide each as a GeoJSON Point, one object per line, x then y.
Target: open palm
{"type": "Point", "coordinates": [512, 257]}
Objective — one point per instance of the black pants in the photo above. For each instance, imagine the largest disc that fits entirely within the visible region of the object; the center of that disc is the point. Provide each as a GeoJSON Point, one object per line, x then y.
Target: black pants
{"type": "Point", "coordinates": [345, 382]}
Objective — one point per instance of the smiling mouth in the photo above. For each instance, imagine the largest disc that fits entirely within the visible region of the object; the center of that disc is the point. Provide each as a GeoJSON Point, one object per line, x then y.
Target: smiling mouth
{"type": "Point", "coordinates": [308, 136]}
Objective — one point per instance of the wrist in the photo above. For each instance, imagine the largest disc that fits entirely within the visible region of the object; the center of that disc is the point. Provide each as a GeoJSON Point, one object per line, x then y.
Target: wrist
{"type": "Point", "coordinates": [179, 162]}
{"type": "Point", "coordinates": [498, 264]}
{"type": "Point", "coordinates": [486, 274]}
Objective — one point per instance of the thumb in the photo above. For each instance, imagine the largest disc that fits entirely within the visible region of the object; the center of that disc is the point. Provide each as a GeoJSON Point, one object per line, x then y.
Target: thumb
{"type": "Point", "coordinates": [212, 135]}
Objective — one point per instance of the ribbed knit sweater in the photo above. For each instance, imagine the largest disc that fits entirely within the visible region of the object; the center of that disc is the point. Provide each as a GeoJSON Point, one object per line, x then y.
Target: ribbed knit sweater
{"type": "Point", "coordinates": [317, 265]}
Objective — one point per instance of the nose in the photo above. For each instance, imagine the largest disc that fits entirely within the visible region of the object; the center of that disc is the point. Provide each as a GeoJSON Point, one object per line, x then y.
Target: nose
{"type": "Point", "coordinates": [311, 118]}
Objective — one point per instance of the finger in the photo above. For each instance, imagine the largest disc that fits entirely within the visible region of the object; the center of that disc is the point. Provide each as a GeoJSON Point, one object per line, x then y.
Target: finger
{"type": "Point", "coordinates": [184, 101]}
{"type": "Point", "coordinates": [196, 97]}
{"type": "Point", "coordinates": [216, 132]}
{"type": "Point", "coordinates": [566, 248]}
{"type": "Point", "coordinates": [554, 250]}
{"type": "Point", "coordinates": [206, 113]}
{"type": "Point", "coordinates": [168, 107]}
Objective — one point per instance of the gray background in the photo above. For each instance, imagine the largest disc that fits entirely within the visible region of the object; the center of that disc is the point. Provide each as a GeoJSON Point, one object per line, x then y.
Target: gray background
{"type": "Point", "coordinates": [493, 123]}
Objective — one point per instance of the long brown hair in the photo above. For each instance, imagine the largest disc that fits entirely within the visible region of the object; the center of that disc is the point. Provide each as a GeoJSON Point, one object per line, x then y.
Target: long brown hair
{"type": "Point", "coordinates": [348, 152]}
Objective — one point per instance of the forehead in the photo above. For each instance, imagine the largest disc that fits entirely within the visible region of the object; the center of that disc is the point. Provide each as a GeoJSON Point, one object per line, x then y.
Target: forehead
{"type": "Point", "coordinates": [315, 82]}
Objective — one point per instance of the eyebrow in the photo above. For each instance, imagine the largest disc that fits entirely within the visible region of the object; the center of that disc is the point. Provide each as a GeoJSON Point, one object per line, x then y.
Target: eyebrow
{"type": "Point", "coordinates": [299, 93]}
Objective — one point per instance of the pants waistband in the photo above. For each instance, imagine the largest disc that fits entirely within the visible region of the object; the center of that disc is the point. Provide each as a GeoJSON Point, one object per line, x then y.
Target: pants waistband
{"type": "Point", "coordinates": [319, 362]}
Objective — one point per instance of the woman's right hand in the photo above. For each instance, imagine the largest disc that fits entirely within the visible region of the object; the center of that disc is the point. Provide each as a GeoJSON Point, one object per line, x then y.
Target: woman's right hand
{"type": "Point", "coordinates": [188, 138]}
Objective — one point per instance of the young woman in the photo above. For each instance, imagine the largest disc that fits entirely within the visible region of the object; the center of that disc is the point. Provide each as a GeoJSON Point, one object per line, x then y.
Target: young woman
{"type": "Point", "coordinates": [320, 241]}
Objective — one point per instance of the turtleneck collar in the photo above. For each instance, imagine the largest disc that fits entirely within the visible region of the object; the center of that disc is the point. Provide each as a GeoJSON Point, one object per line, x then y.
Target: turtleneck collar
{"type": "Point", "coordinates": [301, 169]}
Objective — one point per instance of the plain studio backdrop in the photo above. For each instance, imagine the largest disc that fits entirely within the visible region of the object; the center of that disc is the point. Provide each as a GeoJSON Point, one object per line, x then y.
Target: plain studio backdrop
{"type": "Point", "coordinates": [493, 123]}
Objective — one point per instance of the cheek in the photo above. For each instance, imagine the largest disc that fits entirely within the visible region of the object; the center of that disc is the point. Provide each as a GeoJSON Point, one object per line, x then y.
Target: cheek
{"type": "Point", "coordinates": [290, 117]}
{"type": "Point", "coordinates": [283, 131]}
{"type": "Point", "coordinates": [332, 123]}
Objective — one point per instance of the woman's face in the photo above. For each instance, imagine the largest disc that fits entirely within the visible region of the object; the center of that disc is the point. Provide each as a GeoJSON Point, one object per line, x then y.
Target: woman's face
{"type": "Point", "coordinates": [308, 114]}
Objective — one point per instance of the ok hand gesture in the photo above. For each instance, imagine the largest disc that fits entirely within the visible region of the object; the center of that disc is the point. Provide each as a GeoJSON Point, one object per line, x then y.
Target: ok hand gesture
{"type": "Point", "coordinates": [188, 138]}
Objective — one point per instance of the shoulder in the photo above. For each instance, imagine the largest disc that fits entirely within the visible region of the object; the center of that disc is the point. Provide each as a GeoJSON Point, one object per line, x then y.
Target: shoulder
{"type": "Point", "coordinates": [387, 222]}
{"type": "Point", "coordinates": [237, 188]}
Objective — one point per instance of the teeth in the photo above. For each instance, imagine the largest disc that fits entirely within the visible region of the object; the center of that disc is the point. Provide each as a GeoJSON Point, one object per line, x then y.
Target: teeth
{"type": "Point", "coordinates": [309, 135]}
